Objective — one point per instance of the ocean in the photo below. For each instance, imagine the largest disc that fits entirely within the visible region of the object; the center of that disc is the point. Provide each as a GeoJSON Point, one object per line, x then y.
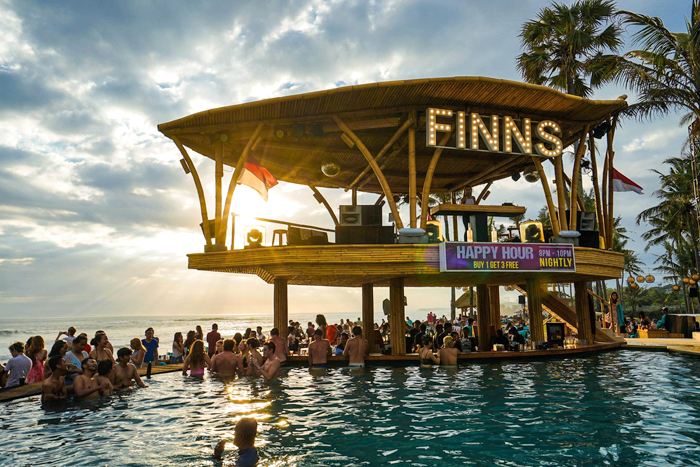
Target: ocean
{"type": "Point", "coordinates": [122, 329]}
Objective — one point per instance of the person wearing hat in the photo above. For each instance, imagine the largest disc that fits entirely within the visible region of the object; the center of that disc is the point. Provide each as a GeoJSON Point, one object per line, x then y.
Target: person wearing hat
{"type": "Point", "coordinates": [448, 353]}
{"type": "Point", "coordinates": [661, 324]}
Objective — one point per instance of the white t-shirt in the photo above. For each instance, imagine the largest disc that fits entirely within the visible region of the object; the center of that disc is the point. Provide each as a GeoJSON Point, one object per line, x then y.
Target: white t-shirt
{"type": "Point", "coordinates": [176, 352]}
{"type": "Point", "coordinates": [71, 358]}
{"type": "Point", "coordinates": [68, 340]}
{"type": "Point", "coordinates": [18, 367]}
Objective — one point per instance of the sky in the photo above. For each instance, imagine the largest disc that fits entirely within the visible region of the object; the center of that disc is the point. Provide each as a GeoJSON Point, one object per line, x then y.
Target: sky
{"type": "Point", "coordinates": [96, 214]}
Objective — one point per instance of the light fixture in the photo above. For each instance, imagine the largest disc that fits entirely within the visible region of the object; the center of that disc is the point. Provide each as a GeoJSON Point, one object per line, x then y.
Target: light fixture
{"type": "Point", "coordinates": [640, 279]}
{"type": "Point", "coordinates": [223, 137]}
{"type": "Point", "coordinates": [676, 288]}
{"type": "Point", "coordinates": [330, 168]}
{"type": "Point", "coordinates": [602, 130]}
{"type": "Point", "coordinates": [317, 130]}
{"type": "Point", "coordinates": [630, 280]}
{"type": "Point", "coordinates": [650, 279]}
{"type": "Point", "coordinates": [691, 282]}
{"type": "Point", "coordinates": [279, 132]}
{"type": "Point", "coordinates": [254, 236]}
{"type": "Point", "coordinates": [515, 176]}
{"type": "Point", "coordinates": [686, 280]}
{"type": "Point", "coordinates": [695, 277]}
{"type": "Point", "coordinates": [531, 175]}
{"type": "Point", "coordinates": [634, 286]}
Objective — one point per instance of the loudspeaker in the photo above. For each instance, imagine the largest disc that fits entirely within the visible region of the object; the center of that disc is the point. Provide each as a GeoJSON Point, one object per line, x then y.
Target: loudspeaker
{"type": "Point", "coordinates": [299, 236]}
{"type": "Point", "coordinates": [693, 292]}
{"type": "Point", "coordinates": [360, 214]}
{"type": "Point", "coordinates": [589, 239]}
{"type": "Point", "coordinates": [585, 221]}
{"type": "Point", "coordinates": [363, 235]}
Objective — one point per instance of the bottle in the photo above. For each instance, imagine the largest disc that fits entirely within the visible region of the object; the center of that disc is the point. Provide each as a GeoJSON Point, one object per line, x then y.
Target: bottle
{"type": "Point", "coordinates": [494, 235]}
{"type": "Point", "coordinates": [470, 234]}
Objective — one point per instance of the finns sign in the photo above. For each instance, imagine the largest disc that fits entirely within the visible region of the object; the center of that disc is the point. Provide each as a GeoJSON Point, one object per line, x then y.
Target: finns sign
{"type": "Point", "coordinates": [502, 135]}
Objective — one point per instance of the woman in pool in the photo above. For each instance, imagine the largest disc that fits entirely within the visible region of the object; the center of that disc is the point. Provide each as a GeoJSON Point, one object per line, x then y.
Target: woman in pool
{"type": "Point", "coordinates": [139, 352]}
{"type": "Point", "coordinates": [196, 361]}
{"type": "Point", "coordinates": [101, 351]}
{"type": "Point", "coordinates": [426, 355]}
{"type": "Point", "coordinates": [246, 334]}
{"type": "Point", "coordinates": [238, 337]}
{"type": "Point", "coordinates": [58, 348]}
{"type": "Point", "coordinates": [178, 349]}
{"type": "Point", "coordinates": [199, 335]}
{"type": "Point", "coordinates": [37, 354]}
{"type": "Point", "coordinates": [189, 341]}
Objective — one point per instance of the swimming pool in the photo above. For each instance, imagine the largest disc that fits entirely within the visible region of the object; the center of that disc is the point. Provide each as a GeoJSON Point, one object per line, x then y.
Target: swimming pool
{"type": "Point", "coordinates": [617, 408]}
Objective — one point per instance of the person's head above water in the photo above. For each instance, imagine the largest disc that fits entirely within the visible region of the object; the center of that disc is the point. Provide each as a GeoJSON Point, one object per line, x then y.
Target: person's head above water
{"type": "Point", "coordinates": [229, 344]}
{"type": "Point", "coordinates": [245, 432]}
{"type": "Point", "coordinates": [318, 334]}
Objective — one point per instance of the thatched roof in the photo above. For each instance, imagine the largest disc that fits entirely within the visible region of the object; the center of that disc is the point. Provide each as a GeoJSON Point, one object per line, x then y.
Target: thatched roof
{"type": "Point", "coordinates": [307, 134]}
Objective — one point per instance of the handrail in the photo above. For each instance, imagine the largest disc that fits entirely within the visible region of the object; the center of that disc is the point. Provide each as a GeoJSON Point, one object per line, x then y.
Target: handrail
{"type": "Point", "coordinates": [289, 224]}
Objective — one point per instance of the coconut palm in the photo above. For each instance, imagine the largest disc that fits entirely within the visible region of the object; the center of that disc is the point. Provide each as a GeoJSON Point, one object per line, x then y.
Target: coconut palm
{"type": "Point", "coordinates": [565, 46]}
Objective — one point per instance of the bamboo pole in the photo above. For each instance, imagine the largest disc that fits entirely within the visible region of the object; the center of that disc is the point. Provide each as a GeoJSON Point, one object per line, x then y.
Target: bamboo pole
{"type": "Point", "coordinates": [198, 185]}
{"type": "Point", "coordinates": [368, 315]}
{"type": "Point", "coordinates": [377, 171]}
{"type": "Point", "coordinates": [573, 202]}
{"type": "Point", "coordinates": [596, 188]}
{"type": "Point", "coordinates": [485, 326]}
{"type": "Point", "coordinates": [218, 177]}
{"type": "Point", "coordinates": [412, 189]}
{"type": "Point", "coordinates": [505, 163]}
{"type": "Point", "coordinates": [402, 129]}
{"type": "Point", "coordinates": [321, 199]}
{"type": "Point", "coordinates": [483, 192]}
{"type": "Point", "coordinates": [561, 196]}
{"type": "Point", "coordinates": [234, 180]}
{"type": "Point", "coordinates": [611, 195]}
{"type": "Point", "coordinates": [455, 227]}
{"type": "Point", "coordinates": [397, 314]}
{"type": "Point", "coordinates": [534, 306]}
{"type": "Point", "coordinates": [428, 181]}
{"type": "Point", "coordinates": [547, 195]}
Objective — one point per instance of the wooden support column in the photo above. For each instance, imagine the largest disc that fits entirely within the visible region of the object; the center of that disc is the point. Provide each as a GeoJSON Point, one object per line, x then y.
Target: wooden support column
{"type": "Point", "coordinates": [611, 193]}
{"type": "Point", "coordinates": [368, 314]}
{"type": "Point", "coordinates": [548, 196]}
{"type": "Point", "coordinates": [600, 221]}
{"type": "Point", "coordinates": [218, 177]}
{"type": "Point", "coordinates": [561, 193]}
{"type": "Point", "coordinates": [495, 305]}
{"type": "Point", "coordinates": [483, 317]}
{"type": "Point", "coordinates": [412, 188]}
{"type": "Point", "coordinates": [281, 318]}
{"type": "Point", "coordinates": [455, 227]}
{"type": "Point", "coordinates": [428, 180]}
{"type": "Point", "coordinates": [322, 200]}
{"type": "Point", "coordinates": [574, 178]}
{"type": "Point", "coordinates": [354, 196]}
{"type": "Point", "coordinates": [534, 306]}
{"type": "Point", "coordinates": [397, 316]}
{"type": "Point", "coordinates": [583, 312]}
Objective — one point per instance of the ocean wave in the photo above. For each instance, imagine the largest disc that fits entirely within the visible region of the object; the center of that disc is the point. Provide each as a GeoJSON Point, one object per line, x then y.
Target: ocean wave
{"type": "Point", "coordinates": [8, 332]}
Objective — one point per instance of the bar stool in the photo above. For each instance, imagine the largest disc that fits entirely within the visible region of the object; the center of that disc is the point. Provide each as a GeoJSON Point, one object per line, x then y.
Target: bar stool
{"type": "Point", "coordinates": [279, 233]}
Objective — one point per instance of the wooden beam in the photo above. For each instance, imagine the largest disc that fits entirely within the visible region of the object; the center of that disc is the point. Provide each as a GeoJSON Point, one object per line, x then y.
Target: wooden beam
{"type": "Point", "coordinates": [548, 196]}
{"type": "Point", "coordinates": [400, 146]}
{"type": "Point", "coordinates": [584, 326]}
{"type": "Point", "coordinates": [290, 224]}
{"type": "Point", "coordinates": [428, 180]}
{"type": "Point", "coordinates": [281, 312]}
{"type": "Point", "coordinates": [573, 203]}
{"type": "Point", "coordinates": [483, 192]}
{"type": "Point", "coordinates": [218, 176]}
{"type": "Point", "coordinates": [561, 192]}
{"type": "Point", "coordinates": [495, 305]}
{"type": "Point", "coordinates": [412, 188]}
{"type": "Point", "coordinates": [610, 227]}
{"type": "Point", "coordinates": [377, 171]}
{"type": "Point", "coordinates": [483, 317]}
{"type": "Point", "coordinates": [484, 176]}
{"type": "Point", "coordinates": [534, 306]}
{"type": "Point", "coordinates": [397, 316]}
{"type": "Point", "coordinates": [198, 186]}
{"type": "Point", "coordinates": [600, 221]}
{"type": "Point", "coordinates": [368, 314]}
{"type": "Point", "coordinates": [234, 181]}
{"type": "Point", "coordinates": [322, 200]}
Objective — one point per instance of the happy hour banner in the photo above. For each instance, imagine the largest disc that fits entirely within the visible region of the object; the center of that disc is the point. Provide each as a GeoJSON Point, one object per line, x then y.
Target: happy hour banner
{"type": "Point", "coordinates": [526, 257]}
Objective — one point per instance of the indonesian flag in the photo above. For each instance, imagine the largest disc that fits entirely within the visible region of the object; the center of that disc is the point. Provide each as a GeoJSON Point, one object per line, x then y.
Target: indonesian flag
{"type": "Point", "coordinates": [257, 177]}
{"type": "Point", "coordinates": [622, 183]}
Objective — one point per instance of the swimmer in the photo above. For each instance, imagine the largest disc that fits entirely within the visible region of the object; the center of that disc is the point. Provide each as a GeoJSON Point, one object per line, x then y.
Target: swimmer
{"type": "Point", "coordinates": [125, 373]}
{"type": "Point", "coordinates": [54, 387]}
{"type": "Point", "coordinates": [271, 367]}
{"type": "Point", "coordinates": [196, 361]}
{"type": "Point", "coordinates": [84, 386]}
{"type": "Point", "coordinates": [426, 355]}
{"type": "Point", "coordinates": [227, 364]}
{"type": "Point", "coordinates": [357, 348]}
{"type": "Point", "coordinates": [105, 373]}
{"type": "Point", "coordinates": [253, 355]}
{"type": "Point", "coordinates": [319, 350]}
{"type": "Point", "coordinates": [448, 353]}
{"type": "Point", "coordinates": [244, 439]}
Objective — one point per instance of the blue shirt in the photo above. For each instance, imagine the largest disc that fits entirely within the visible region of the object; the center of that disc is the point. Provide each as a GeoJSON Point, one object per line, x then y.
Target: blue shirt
{"type": "Point", "coordinates": [150, 350]}
{"type": "Point", "coordinates": [247, 458]}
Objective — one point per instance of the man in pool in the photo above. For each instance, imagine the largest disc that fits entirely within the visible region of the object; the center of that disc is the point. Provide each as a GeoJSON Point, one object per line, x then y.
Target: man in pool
{"type": "Point", "coordinates": [125, 373]}
{"type": "Point", "coordinates": [227, 364]}
{"type": "Point", "coordinates": [448, 354]}
{"type": "Point", "coordinates": [271, 367]}
{"type": "Point", "coordinates": [84, 386]}
{"type": "Point", "coordinates": [244, 439]}
{"type": "Point", "coordinates": [357, 348]}
{"type": "Point", "coordinates": [54, 387]}
{"type": "Point", "coordinates": [105, 374]}
{"type": "Point", "coordinates": [282, 350]}
{"type": "Point", "coordinates": [319, 350]}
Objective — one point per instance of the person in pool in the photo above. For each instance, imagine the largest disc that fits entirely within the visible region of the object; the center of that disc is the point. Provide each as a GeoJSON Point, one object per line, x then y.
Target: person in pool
{"type": "Point", "coordinates": [125, 373]}
{"type": "Point", "coordinates": [448, 353]}
{"type": "Point", "coordinates": [271, 367]}
{"type": "Point", "coordinates": [426, 356]}
{"type": "Point", "coordinates": [253, 356]}
{"type": "Point", "coordinates": [139, 352]}
{"type": "Point", "coordinates": [319, 350]}
{"type": "Point", "coordinates": [244, 439]}
{"type": "Point", "coordinates": [84, 386]}
{"type": "Point", "coordinates": [197, 360]}
{"type": "Point", "coordinates": [54, 387]}
{"type": "Point", "coordinates": [356, 348]}
{"type": "Point", "coordinates": [227, 364]}
{"type": "Point", "coordinates": [105, 373]}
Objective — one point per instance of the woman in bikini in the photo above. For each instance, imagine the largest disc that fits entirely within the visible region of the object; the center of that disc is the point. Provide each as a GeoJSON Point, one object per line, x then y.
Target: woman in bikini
{"type": "Point", "coordinates": [426, 355]}
{"type": "Point", "coordinates": [196, 361]}
{"type": "Point", "coordinates": [139, 352]}
{"type": "Point", "coordinates": [101, 350]}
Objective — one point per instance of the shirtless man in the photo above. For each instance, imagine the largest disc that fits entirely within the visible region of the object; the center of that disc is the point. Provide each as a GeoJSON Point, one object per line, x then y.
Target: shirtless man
{"type": "Point", "coordinates": [448, 354]}
{"type": "Point", "coordinates": [357, 348]}
{"type": "Point", "coordinates": [253, 355]}
{"type": "Point", "coordinates": [84, 386]}
{"type": "Point", "coordinates": [54, 387]}
{"type": "Point", "coordinates": [105, 373]}
{"type": "Point", "coordinates": [271, 367]}
{"type": "Point", "coordinates": [319, 350]}
{"type": "Point", "coordinates": [227, 364]}
{"type": "Point", "coordinates": [125, 373]}
{"type": "Point", "coordinates": [282, 350]}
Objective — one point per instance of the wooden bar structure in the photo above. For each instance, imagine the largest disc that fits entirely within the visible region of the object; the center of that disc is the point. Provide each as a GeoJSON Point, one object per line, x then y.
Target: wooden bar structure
{"type": "Point", "coordinates": [410, 141]}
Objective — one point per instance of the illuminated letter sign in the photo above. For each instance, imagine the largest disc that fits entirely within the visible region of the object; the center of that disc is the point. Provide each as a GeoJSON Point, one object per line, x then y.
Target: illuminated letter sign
{"type": "Point", "coordinates": [520, 257]}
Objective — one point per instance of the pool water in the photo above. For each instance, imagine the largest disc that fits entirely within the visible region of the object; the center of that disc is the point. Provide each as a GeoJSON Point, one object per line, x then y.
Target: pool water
{"type": "Point", "coordinates": [617, 408]}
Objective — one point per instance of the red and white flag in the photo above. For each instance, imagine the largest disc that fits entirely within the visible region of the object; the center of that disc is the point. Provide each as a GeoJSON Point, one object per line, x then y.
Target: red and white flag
{"type": "Point", "coordinates": [257, 177]}
{"type": "Point", "coordinates": [622, 183]}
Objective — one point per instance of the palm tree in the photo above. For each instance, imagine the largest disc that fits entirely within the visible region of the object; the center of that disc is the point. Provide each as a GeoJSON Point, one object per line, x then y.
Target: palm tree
{"type": "Point", "coordinates": [664, 71]}
{"type": "Point", "coordinates": [565, 46]}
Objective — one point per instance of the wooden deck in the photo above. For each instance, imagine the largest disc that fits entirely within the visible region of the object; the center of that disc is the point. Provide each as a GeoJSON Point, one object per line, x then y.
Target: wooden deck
{"type": "Point", "coordinates": [354, 265]}
{"type": "Point", "coordinates": [372, 360]}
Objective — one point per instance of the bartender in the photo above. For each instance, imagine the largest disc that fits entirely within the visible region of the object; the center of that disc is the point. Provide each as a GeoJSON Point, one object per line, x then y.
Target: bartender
{"type": "Point", "coordinates": [467, 198]}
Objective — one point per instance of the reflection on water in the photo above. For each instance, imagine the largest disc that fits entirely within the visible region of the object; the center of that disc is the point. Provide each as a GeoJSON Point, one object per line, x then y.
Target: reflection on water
{"type": "Point", "coordinates": [618, 408]}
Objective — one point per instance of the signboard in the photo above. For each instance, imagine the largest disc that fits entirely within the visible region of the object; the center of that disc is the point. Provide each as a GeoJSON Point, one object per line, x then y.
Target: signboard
{"type": "Point", "coordinates": [510, 257]}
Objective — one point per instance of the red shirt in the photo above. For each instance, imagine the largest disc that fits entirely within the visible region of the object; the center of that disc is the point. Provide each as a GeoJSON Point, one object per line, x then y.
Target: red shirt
{"type": "Point", "coordinates": [212, 338]}
{"type": "Point", "coordinates": [331, 334]}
